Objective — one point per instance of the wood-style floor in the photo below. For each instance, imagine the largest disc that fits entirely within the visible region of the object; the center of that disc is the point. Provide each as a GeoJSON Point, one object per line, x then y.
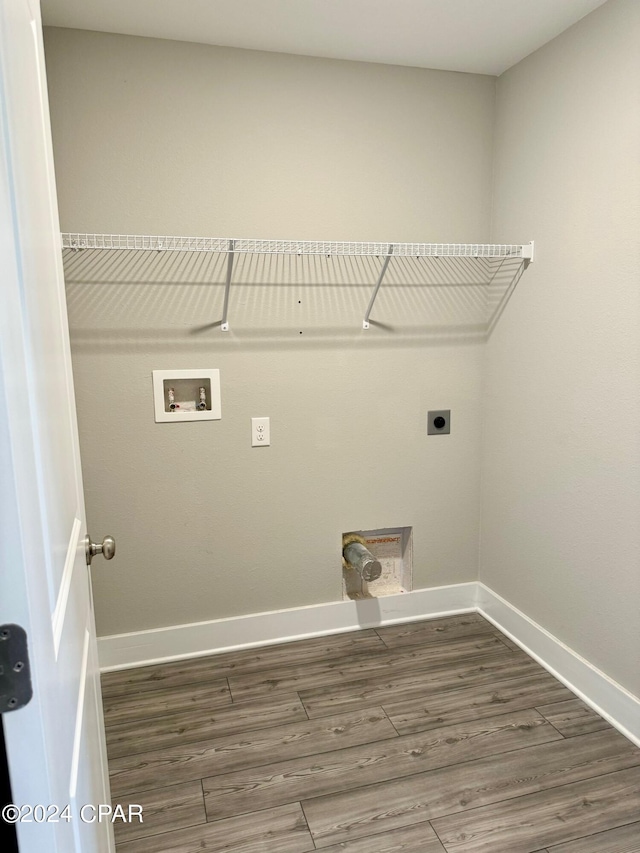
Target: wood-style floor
{"type": "Point", "coordinates": [433, 737]}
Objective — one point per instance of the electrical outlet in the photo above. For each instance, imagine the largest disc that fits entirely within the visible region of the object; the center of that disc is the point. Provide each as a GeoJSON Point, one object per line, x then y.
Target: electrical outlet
{"type": "Point", "coordinates": [439, 422]}
{"type": "Point", "coordinates": [260, 432]}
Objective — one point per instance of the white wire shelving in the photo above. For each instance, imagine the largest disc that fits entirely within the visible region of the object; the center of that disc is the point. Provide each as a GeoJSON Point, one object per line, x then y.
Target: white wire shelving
{"type": "Point", "coordinates": [231, 247]}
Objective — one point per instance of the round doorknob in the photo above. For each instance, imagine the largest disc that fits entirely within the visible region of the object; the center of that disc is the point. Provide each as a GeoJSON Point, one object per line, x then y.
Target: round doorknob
{"type": "Point", "coordinates": [107, 548]}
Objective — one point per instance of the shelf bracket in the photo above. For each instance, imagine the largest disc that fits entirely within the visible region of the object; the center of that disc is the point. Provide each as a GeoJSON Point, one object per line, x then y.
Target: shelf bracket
{"type": "Point", "coordinates": [225, 325]}
{"type": "Point", "coordinates": [527, 253]}
{"type": "Point", "coordinates": [365, 322]}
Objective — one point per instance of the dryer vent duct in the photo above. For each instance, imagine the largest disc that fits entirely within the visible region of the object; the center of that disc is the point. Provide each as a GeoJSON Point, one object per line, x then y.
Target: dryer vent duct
{"type": "Point", "coordinates": [356, 555]}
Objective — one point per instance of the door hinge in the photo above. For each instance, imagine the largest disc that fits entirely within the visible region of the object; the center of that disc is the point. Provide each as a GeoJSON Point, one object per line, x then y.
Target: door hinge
{"type": "Point", "coordinates": [15, 673]}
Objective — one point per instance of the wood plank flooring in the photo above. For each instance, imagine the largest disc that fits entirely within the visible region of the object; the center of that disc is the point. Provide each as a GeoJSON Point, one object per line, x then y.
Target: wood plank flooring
{"type": "Point", "coordinates": [439, 736]}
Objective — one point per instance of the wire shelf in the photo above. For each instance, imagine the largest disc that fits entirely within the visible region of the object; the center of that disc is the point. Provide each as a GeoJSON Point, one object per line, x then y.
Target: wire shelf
{"type": "Point", "coordinates": [289, 247]}
{"type": "Point", "coordinates": [496, 254]}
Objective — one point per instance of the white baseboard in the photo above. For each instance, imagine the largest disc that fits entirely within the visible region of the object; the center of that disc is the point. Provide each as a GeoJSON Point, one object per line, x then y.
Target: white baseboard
{"type": "Point", "coordinates": [605, 696]}
{"type": "Point", "coordinates": [159, 645]}
{"type": "Point", "coordinates": [123, 651]}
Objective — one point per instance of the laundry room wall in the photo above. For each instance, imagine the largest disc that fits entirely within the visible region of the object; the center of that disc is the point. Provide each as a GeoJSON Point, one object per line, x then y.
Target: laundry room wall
{"type": "Point", "coordinates": [163, 137]}
{"type": "Point", "coordinates": [561, 460]}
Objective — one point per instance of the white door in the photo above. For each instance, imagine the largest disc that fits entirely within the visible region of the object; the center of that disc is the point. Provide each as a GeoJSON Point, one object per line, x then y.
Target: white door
{"type": "Point", "coordinates": [55, 743]}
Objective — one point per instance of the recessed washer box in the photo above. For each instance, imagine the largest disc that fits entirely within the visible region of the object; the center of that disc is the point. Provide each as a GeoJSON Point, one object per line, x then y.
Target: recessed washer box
{"type": "Point", "coordinates": [177, 395]}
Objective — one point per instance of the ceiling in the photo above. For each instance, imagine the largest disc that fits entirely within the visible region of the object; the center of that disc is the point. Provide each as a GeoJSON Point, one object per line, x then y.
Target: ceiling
{"type": "Point", "coordinates": [477, 36]}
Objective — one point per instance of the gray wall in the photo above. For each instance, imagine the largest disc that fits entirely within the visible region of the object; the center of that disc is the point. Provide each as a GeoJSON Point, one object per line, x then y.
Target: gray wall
{"type": "Point", "coordinates": [156, 136]}
{"type": "Point", "coordinates": [561, 457]}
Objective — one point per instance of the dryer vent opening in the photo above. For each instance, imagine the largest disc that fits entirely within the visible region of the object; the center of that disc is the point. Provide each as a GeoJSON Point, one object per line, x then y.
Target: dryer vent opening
{"type": "Point", "coordinates": [376, 562]}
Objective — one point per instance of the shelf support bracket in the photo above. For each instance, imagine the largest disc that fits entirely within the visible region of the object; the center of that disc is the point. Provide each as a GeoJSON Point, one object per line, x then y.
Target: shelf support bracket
{"type": "Point", "coordinates": [365, 322]}
{"type": "Point", "coordinates": [528, 253]}
{"type": "Point", "coordinates": [225, 325]}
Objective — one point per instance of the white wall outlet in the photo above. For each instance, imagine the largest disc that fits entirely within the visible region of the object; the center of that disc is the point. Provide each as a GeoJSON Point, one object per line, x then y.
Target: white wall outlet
{"type": "Point", "coordinates": [260, 432]}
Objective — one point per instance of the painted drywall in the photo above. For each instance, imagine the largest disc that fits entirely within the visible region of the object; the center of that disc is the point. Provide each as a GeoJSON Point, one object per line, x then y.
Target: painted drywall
{"type": "Point", "coordinates": [155, 136]}
{"type": "Point", "coordinates": [561, 449]}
